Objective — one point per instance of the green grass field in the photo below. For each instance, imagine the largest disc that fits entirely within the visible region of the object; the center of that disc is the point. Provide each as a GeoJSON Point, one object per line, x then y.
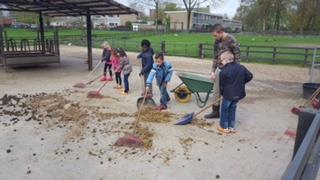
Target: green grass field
{"type": "Point", "coordinates": [182, 44]}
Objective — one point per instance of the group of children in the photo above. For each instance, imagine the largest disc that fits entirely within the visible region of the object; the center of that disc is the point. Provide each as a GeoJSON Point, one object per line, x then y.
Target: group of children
{"type": "Point", "coordinates": [118, 61]}
{"type": "Point", "coordinates": [232, 78]}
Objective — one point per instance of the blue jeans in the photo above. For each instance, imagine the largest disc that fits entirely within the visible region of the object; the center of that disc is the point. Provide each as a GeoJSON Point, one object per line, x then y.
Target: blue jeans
{"type": "Point", "coordinates": [126, 82]}
{"type": "Point", "coordinates": [164, 96]}
{"type": "Point", "coordinates": [228, 113]}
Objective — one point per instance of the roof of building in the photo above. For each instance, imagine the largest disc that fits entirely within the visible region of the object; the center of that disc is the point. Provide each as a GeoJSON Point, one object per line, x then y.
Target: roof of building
{"type": "Point", "coordinates": [56, 8]}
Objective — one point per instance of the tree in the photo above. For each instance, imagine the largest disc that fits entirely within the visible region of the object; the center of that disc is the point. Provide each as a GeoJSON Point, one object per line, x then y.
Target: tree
{"type": "Point", "coordinates": [154, 4]}
{"type": "Point", "coordinates": [170, 6]}
{"type": "Point", "coordinates": [191, 4]}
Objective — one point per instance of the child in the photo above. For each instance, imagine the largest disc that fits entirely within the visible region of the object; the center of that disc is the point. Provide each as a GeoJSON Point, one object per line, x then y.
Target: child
{"type": "Point", "coordinates": [146, 61]}
{"type": "Point", "coordinates": [106, 54]}
{"type": "Point", "coordinates": [126, 68]}
{"type": "Point", "coordinates": [233, 78]}
{"type": "Point", "coordinates": [115, 61]}
{"type": "Point", "coordinates": [162, 70]}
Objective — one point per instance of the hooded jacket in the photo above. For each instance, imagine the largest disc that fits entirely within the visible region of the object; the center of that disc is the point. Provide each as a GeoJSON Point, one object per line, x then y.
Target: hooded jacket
{"type": "Point", "coordinates": [233, 78]}
{"type": "Point", "coordinates": [147, 60]}
{"type": "Point", "coordinates": [162, 73]}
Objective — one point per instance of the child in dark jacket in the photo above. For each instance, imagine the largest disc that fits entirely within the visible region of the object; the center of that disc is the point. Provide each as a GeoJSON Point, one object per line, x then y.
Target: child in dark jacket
{"type": "Point", "coordinates": [147, 62]}
{"type": "Point", "coordinates": [106, 57]}
{"type": "Point", "coordinates": [233, 78]}
{"type": "Point", "coordinates": [162, 71]}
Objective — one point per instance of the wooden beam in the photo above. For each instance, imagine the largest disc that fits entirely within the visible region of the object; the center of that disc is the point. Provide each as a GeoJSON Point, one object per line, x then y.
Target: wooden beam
{"type": "Point", "coordinates": [41, 27]}
{"type": "Point", "coordinates": [89, 40]}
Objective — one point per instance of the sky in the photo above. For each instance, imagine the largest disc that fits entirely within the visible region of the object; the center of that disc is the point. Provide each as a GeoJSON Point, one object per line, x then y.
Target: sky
{"type": "Point", "coordinates": [228, 7]}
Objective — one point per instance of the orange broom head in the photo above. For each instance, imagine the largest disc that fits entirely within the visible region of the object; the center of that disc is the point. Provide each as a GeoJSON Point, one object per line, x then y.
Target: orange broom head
{"type": "Point", "coordinates": [316, 103]}
{"type": "Point", "coordinates": [129, 141]}
{"type": "Point", "coordinates": [295, 110]}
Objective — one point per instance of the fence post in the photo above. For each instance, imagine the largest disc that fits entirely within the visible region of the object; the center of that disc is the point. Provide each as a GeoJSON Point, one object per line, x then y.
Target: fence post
{"type": "Point", "coordinates": [163, 46]}
{"type": "Point", "coordinates": [201, 51]}
{"type": "Point", "coordinates": [247, 53]}
{"type": "Point", "coordinates": [274, 55]}
{"type": "Point", "coordinates": [306, 54]}
{"type": "Point", "coordinates": [185, 50]}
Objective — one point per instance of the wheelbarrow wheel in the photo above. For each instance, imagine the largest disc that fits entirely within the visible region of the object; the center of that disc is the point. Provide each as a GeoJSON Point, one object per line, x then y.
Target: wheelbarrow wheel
{"type": "Point", "coordinates": [182, 94]}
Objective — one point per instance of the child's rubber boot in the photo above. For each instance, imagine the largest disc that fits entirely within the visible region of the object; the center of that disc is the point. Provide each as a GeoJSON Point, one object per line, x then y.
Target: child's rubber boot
{"type": "Point", "coordinates": [104, 78]}
{"type": "Point", "coordinates": [215, 113]}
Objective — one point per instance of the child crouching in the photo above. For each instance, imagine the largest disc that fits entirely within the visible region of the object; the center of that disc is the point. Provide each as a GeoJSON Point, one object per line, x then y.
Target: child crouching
{"type": "Point", "coordinates": [162, 70]}
{"type": "Point", "coordinates": [233, 78]}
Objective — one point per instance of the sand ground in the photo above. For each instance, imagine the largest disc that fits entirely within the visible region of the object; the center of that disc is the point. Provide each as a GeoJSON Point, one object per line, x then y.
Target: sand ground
{"type": "Point", "coordinates": [42, 147]}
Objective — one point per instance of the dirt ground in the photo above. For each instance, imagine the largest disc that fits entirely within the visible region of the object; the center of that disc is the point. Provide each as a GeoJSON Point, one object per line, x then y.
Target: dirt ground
{"type": "Point", "coordinates": [49, 130]}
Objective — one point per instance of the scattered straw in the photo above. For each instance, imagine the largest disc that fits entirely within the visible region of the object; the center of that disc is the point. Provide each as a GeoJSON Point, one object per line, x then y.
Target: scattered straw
{"type": "Point", "coordinates": [146, 136]}
{"type": "Point", "coordinates": [151, 115]}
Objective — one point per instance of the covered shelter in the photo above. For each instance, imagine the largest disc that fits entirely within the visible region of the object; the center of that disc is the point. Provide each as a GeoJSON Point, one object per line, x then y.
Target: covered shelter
{"type": "Point", "coordinates": [47, 50]}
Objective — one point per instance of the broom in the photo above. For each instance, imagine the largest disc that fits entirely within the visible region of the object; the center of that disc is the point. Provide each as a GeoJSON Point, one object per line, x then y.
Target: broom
{"type": "Point", "coordinates": [312, 99]}
{"type": "Point", "coordinates": [96, 94]}
{"type": "Point", "coordinates": [131, 140]}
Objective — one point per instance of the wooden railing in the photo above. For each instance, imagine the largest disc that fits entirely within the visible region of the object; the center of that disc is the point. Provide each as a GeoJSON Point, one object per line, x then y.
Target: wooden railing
{"type": "Point", "coordinates": [268, 54]}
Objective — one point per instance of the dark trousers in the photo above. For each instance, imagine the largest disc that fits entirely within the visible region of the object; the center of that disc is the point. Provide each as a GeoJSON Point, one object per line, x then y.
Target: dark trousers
{"type": "Point", "coordinates": [118, 78]}
{"type": "Point", "coordinates": [107, 67]}
{"type": "Point", "coordinates": [126, 82]}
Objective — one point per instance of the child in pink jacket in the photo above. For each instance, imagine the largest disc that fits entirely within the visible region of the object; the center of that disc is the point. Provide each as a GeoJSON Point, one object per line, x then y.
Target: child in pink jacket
{"type": "Point", "coordinates": [115, 61]}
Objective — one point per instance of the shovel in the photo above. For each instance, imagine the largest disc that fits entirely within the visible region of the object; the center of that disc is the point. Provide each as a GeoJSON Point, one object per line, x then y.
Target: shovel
{"type": "Point", "coordinates": [148, 101]}
{"type": "Point", "coordinates": [96, 94]}
{"type": "Point", "coordinates": [187, 119]}
{"type": "Point", "coordinates": [131, 140]}
{"type": "Point", "coordinates": [83, 85]}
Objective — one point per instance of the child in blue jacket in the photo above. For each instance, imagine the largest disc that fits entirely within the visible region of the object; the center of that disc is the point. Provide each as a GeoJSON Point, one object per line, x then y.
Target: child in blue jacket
{"type": "Point", "coordinates": [162, 70]}
{"type": "Point", "coordinates": [233, 78]}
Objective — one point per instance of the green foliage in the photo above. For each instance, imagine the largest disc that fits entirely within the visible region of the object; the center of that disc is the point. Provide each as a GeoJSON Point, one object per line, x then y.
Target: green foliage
{"type": "Point", "coordinates": [128, 24]}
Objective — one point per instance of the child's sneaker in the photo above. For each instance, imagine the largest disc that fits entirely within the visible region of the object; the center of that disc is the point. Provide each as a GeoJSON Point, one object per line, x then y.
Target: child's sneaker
{"type": "Point", "coordinates": [232, 131]}
{"type": "Point", "coordinates": [124, 93]}
{"type": "Point", "coordinates": [104, 78]}
{"type": "Point", "coordinates": [222, 130]}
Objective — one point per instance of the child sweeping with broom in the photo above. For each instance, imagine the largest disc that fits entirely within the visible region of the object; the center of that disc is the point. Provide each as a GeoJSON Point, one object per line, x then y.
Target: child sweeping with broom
{"type": "Point", "coordinates": [115, 61]}
{"type": "Point", "coordinates": [126, 69]}
{"type": "Point", "coordinates": [106, 55]}
{"type": "Point", "coordinates": [162, 70]}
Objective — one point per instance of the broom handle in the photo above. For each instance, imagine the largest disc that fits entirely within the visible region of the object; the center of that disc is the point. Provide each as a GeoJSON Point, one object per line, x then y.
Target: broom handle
{"type": "Point", "coordinates": [102, 87]}
{"type": "Point", "coordinates": [139, 113]}
{"type": "Point", "coordinates": [89, 82]}
{"type": "Point", "coordinates": [207, 107]}
{"type": "Point", "coordinates": [312, 96]}
{"type": "Point", "coordinates": [94, 69]}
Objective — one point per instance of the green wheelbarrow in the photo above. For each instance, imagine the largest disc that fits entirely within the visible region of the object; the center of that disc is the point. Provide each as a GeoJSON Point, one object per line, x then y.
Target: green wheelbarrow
{"type": "Point", "coordinates": [193, 84]}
